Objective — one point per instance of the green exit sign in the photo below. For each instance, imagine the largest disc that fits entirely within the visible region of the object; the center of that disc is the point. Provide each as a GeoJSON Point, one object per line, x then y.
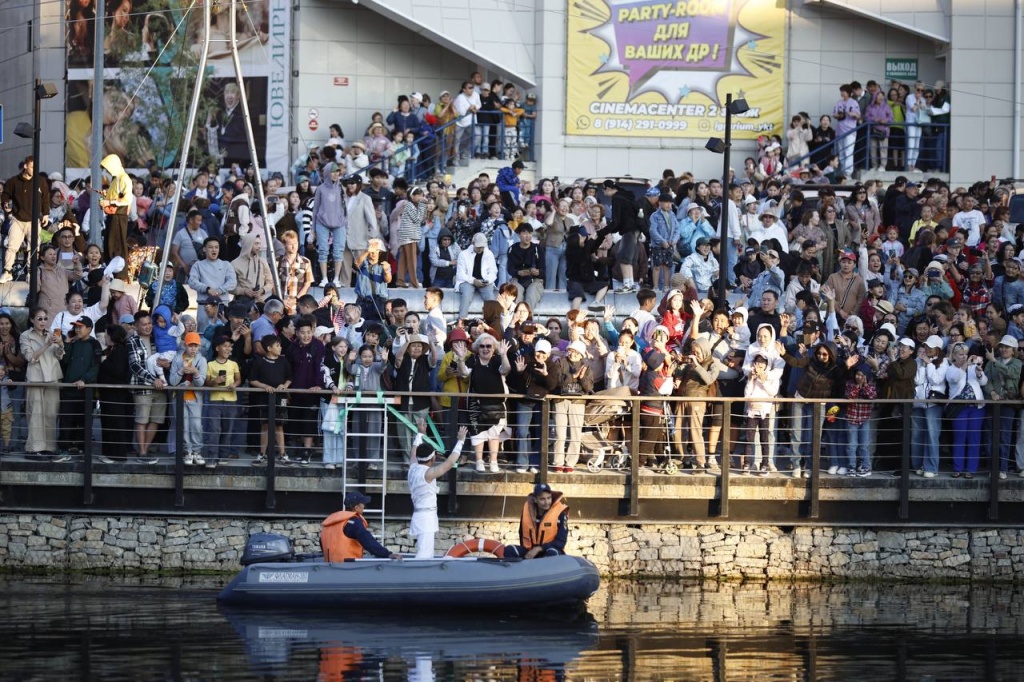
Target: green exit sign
{"type": "Point", "coordinates": [900, 69]}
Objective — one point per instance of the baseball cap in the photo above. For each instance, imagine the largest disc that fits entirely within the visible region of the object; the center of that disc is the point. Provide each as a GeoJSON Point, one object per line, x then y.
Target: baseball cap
{"type": "Point", "coordinates": [847, 254]}
{"type": "Point", "coordinates": [578, 346]}
{"type": "Point", "coordinates": [354, 497]}
{"type": "Point", "coordinates": [665, 196]}
{"type": "Point", "coordinates": [1015, 308]}
{"type": "Point", "coordinates": [908, 342]}
{"type": "Point", "coordinates": [812, 326]}
{"type": "Point", "coordinates": [933, 341]}
{"type": "Point", "coordinates": [703, 241]}
{"type": "Point", "coordinates": [212, 300]}
{"type": "Point", "coordinates": [1008, 340]}
{"type": "Point", "coordinates": [874, 282]}
{"type": "Point", "coordinates": [912, 184]}
{"type": "Point", "coordinates": [85, 321]}
{"type": "Point", "coordinates": [193, 339]}
{"type": "Point", "coordinates": [542, 346]}
{"type": "Point", "coordinates": [889, 329]}
{"type": "Point", "coordinates": [541, 488]}
{"type": "Point", "coordinates": [479, 240]}
{"type": "Point", "coordinates": [127, 319]}
{"type": "Point", "coordinates": [653, 192]}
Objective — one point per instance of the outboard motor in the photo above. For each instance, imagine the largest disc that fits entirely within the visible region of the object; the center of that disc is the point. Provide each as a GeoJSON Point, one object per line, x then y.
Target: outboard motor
{"type": "Point", "coordinates": [267, 547]}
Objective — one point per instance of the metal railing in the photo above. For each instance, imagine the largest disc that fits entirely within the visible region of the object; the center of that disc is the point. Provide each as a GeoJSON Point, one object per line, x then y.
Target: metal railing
{"type": "Point", "coordinates": [614, 436]}
{"type": "Point", "coordinates": [929, 142]}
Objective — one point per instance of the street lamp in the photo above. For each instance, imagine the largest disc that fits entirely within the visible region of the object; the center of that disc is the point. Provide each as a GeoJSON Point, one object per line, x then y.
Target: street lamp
{"type": "Point", "coordinates": [24, 130]}
{"type": "Point", "coordinates": [720, 146]}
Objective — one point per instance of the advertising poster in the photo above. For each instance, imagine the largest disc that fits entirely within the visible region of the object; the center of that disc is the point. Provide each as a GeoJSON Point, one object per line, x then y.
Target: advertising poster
{"type": "Point", "coordinates": [662, 69]}
{"type": "Point", "coordinates": [151, 56]}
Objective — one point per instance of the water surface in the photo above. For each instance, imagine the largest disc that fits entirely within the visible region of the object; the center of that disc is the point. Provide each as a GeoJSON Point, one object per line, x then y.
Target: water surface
{"type": "Point", "coordinates": [91, 628]}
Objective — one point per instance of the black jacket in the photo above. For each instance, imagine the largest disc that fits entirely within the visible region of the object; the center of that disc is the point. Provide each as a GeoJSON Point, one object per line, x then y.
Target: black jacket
{"type": "Point", "coordinates": [525, 259]}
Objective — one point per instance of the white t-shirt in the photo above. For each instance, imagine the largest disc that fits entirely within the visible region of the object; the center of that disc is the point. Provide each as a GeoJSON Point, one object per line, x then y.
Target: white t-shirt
{"type": "Point", "coordinates": [970, 223]}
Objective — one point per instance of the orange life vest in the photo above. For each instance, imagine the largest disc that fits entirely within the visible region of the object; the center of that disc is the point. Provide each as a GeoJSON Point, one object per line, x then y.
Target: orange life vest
{"type": "Point", "coordinates": [532, 534]}
{"type": "Point", "coordinates": [335, 544]}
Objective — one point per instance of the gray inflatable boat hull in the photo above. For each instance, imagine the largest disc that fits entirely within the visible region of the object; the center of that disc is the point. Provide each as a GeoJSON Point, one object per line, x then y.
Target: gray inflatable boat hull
{"type": "Point", "coordinates": [472, 583]}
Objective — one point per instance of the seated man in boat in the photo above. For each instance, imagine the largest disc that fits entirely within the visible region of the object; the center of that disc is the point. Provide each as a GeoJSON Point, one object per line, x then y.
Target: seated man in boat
{"type": "Point", "coordinates": [423, 475]}
{"type": "Point", "coordinates": [355, 536]}
{"type": "Point", "coordinates": [544, 528]}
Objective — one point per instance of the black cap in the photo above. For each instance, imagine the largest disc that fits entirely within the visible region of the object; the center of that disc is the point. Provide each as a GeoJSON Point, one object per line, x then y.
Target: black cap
{"type": "Point", "coordinates": [812, 326]}
{"type": "Point", "coordinates": [84, 321]}
{"type": "Point", "coordinates": [541, 488]}
{"type": "Point", "coordinates": [212, 300]}
{"type": "Point", "coordinates": [354, 497]}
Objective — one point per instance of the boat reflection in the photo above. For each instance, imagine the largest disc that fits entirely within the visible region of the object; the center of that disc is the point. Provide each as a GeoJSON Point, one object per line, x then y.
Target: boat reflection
{"type": "Point", "coordinates": [354, 645]}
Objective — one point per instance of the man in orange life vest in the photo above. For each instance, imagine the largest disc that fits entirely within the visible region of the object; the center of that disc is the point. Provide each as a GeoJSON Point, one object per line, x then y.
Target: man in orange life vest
{"type": "Point", "coordinates": [357, 533]}
{"type": "Point", "coordinates": [544, 528]}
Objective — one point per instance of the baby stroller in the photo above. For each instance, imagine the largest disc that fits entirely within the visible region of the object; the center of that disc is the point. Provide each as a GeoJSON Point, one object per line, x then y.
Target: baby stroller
{"type": "Point", "coordinates": [599, 417]}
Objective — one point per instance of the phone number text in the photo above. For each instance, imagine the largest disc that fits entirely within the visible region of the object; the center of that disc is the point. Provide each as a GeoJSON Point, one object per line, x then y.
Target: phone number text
{"type": "Point", "coordinates": [638, 124]}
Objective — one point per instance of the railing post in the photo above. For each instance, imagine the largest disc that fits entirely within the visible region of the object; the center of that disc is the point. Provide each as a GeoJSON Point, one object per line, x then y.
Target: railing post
{"type": "Point", "coordinates": [179, 449]}
{"type": "Point", "coordinates": [723, 508]}
{"type": "Point", "coordinates": [634, 460]}
{"type": "Point", "coordinates": [87, 495]}
{"type": "Point", "coordinates": [816, 426]}
{"type": "Point", "coordinates": [453, 474]}
{"type": "Point", "coordinates": [271, 398]}
{"type": "Point", "coordinates": [905, 468]}
{"type": "Point", "coordinates": [545, 441]}
{"type": "Point", "coordinates": [993, 500]}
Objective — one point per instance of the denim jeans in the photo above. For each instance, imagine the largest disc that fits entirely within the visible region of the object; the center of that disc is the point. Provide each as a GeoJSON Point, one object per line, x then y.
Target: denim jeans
{"type": "Point", "coordinates": [857, 437]}
{"type": "Point", "coordinates": [967, 438]}
{"type": "Point", "coordinates": [925, 425]}
{"type": "Point", "coordinates": [554, 267]}
{"type": "Point", "coordinates": [502, 262]}
{"type": "Point", "coordinates": [466, 291]}
{"type": "Point", "coordinates": [1007, 434]}
{"type": "Point", "coordinates": [323, 233]}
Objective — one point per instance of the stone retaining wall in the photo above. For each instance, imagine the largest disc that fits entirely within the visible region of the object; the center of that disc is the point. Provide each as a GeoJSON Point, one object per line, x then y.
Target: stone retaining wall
{"type": "Point", "coordinates": [74, 542]}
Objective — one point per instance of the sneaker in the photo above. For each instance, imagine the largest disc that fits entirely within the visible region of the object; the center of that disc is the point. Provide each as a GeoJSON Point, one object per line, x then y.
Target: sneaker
{"type": "Point", "coordinates": [807, 473]}
{"type": "Point", "coordinates": [833, 470]}
{"type": "Point", "coordinates": [1002, 474]}
{"type": "Point", "coordinates": [746, 470]}
{"type": "Point", "coordinates": [260, 461]}
{"type": "Point", "coordinates": [1021, 473]}
{"type": "Point", "coordinates": [337, 282]}
{"type": "Point", "coordinates": [712, 466]}
{"type": "Point", "coordinates": [322, 283]}
{"type": "Point", "coordinates": [189, 461]}
{"type": "Point", "coordinates": [796, 472]}
{"type": "Point", "coordinates": [533, 470]}
{"type": "Point", "coordinates": [841, 471]}
{"type": "Point", "coordinates": [198, 460]}
{"type": "Point", "coordinates": [920, 472]}
{"type": "Point", "coordinates": [494, 468]}
{"type": "Point", "coordinates": [480, 467]}
{"type": "Point", "coordinates": [864, 472]}
{"type": "Point", "coordinates": [147, 459]}
{"type": "Point", "coordinates": [772, 468]}
{"type": "Point", "coordinates": [329, 466]}
{"type": "Point", "coordinates": [567, 470]}
{"type": "Point", "coordinates": [211, 465]}
{"type": "Point", "coordinates": [282, 461]}
{"type": "Point", "coordinates": [624, 290]}
{"type": "Point", "coordinates": [520, 470]}
{"type": "Point", "coordinates": [764, 471]}
{"type": "Point", "coordinates": [928, 474]}
{"type": "Point", "coordinates": [596, 308]}
{"type": "Point", "coordinates": [103, 459]}
{"type": "Point", "coordinates": [306, 459]}
{"type": "Point", "coordinates": [6, 277]}
{"type": "Point", "coordinates": [64, 457]}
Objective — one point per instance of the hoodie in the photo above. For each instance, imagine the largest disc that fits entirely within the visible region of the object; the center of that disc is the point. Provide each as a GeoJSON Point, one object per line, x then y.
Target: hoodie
{"type": "Point", "coordinates": [251, 271]}
{"type": "Point", "coordinates": [775, 361]}
{"type": "Point", "coordinates": [763, 389]}
{"type": "Point", "coordinates": [697, 377]}
{"type": "Point", "coordinates": [328, 203]}
{"type": "Point", "coordinates": [119, 192]}
{"type": "Point", "coordinates": [444, 260]}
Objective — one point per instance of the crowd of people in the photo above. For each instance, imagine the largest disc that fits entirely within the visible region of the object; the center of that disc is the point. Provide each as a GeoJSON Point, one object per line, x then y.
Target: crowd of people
{"type": "Point", "coordinates": [910, 292]}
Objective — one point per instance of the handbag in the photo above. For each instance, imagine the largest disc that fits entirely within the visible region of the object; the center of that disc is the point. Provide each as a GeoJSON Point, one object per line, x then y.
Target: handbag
{"type": "Point", "coordinates": [332, 422]}
{"type": "Point", "coordinates": [491, 413]}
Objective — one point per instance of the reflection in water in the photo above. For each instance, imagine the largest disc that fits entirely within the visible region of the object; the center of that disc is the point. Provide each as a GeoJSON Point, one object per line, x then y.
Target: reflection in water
{"type": "Point", "coordinates": [147, 628]}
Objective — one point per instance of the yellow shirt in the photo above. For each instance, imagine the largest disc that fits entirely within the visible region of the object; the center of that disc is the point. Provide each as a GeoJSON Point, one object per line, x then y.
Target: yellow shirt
{"type": "Point", "coordinates": [231, 372]}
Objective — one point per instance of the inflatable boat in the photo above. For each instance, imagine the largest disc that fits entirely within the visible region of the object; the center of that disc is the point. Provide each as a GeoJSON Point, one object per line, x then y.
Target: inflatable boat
{"type": "Point", "coordinates": [273, 576]}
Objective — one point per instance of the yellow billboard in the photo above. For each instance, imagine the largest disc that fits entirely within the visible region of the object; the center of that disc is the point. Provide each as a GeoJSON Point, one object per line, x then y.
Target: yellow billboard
{"type": "Point", "coordinates": [645, 68]}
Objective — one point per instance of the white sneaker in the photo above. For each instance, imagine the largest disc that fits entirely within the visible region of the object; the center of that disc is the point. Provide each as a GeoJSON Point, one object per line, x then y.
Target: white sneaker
{"type": "Point", "coordinates": [842, 471]}
{"type": "Point", "coordinates": [1002, 475]}
{"type": "Point", "coordinates": [796, 472]}
{"type": "Point", "coordinates": [337, 283]}
{"type": "Point", "coordinates": [494, 468]}
{"type": "Point", "coordinates": [480, 466]}
{"type": "Point", "coordinates": [188, 459]}
{"type": "Point", "coordinates": [920, 472]}
{"type": "Point", "coordinates": [322, 283]}
{"type": "Point", "coordinates": [533, 470]}
{"type": "Point", "coordinates": [6, 277]}
{"type": "Point", "coordinates": [198, 460]}
{"type": "Point", "coordinates": [928, 474]}
{"type": "Point", "coordinates": [832, 470]}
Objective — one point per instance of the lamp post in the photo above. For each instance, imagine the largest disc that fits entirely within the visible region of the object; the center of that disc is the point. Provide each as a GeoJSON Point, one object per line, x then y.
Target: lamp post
{"type": "Point", "coordinates": [719, 146]}
{"type": "Point", "coordinates": [41, 91]}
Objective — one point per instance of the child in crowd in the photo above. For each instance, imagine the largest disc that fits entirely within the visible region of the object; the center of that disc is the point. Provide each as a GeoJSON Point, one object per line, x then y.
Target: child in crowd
{"type": "Point", "coordinates": [189, 369]}
{"type": "Point", "coordinates": [858, 415]}
{"type": "Point", "coordinates": [739, 332]}
{"type": "Point", "coordinates": [892, 247]}
{"type": "Point", "coordinates": [166, 332]}
{"type": "Point", "coordinates": [366, 370]}
{"type": "Point", "coordinates": [272, 373]}
{"type": "Point", "coordinates": [221, 406]}
{"type": "Point", "coordinates": [762, 386]}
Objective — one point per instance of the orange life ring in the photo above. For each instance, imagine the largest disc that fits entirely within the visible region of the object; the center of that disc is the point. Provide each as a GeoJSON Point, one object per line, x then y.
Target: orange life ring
{"type": "Point", "coordinates": [473, 545]}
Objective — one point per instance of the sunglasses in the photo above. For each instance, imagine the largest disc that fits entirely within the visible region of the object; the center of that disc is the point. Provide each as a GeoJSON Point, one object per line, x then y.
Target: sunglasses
{"type": "Point", "coordinates": [482, 346]}
{"type": "Point", "coordinates": [908, 277]}
{"type": "Point", "coordinates": [42, 319]}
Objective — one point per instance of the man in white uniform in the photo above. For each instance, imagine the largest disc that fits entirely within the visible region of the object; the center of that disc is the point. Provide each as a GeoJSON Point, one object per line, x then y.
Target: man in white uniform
{"type": "Point", "coordinates": [423, 475]}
